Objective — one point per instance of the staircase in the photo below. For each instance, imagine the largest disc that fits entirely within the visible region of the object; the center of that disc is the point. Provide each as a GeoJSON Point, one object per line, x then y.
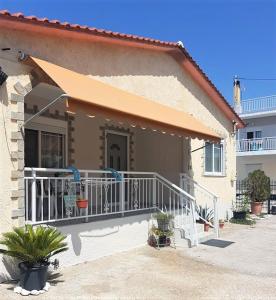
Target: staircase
{"type": "Point", "coordinates": [202, 197]}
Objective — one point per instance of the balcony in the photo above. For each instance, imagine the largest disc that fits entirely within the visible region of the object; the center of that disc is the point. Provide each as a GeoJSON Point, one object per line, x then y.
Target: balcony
{"type": "Point", "coordinates": [259, 105]}
{"type": "Point", "coordinates": [261, 146]}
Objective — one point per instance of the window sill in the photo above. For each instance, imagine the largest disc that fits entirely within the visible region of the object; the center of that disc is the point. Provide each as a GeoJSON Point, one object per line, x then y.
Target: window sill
{"type": "Point", "coordinates": [214, 175]}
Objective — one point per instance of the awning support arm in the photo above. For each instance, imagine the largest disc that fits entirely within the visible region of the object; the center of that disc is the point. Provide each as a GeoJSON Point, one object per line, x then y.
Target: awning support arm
{"type": "Point", "coordinates": [199, 148]}
{"type": "Point", "coordinates": [43, 109]}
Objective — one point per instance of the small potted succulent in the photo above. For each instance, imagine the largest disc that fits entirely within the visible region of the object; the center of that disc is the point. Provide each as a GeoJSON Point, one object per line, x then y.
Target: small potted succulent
{"type": "Point", "coordinates": [258, 190]}
{"type": "Point", "coordinates": [221, 223]}
{"type": "Point", "coordinates": [33, 247]}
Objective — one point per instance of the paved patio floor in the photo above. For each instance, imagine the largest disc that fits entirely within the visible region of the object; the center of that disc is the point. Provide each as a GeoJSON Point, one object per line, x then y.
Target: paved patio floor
{"type": "Point", "coordinates": [244, 270]}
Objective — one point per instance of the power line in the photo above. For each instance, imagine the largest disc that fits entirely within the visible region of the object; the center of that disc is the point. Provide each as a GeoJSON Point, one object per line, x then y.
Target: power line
{"type": "Point", "coordinates": [257, 79]}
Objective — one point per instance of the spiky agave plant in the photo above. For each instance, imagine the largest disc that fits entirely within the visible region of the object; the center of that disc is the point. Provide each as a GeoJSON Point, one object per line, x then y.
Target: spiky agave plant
{"type": "Point", "coordinates": [33, 245]}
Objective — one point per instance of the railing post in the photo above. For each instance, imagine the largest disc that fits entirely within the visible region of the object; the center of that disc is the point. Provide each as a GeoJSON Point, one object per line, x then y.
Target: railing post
{"type": "Point", "coordinates": [195, 236]}
{"type": "Point", "coordinates": [122, 194]}
{"type": "Point", "coordinates": [33, 215]}
{"type": "Point", "coordinates": [154, 202]}
{"type": "Point", "coordinates": [86, 194]}
{"type": "Point", "coordinates": [216, 221]}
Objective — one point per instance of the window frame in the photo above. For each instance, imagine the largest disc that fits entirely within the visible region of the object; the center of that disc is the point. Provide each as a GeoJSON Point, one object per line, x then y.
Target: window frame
{"type": "Point", "coordinates": [52, 126]}
{"type": "Point", "coordinates": [222, 162]}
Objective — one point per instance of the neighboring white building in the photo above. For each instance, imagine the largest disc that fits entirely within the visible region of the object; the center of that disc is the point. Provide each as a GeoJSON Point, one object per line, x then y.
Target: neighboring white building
{"type": "Point", "coordinates": [256, 145]}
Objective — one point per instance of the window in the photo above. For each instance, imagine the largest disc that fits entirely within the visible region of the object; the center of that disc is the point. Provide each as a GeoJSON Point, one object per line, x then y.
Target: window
{"type": "Point", "coordinates": [214, 159]}
{"type": "Point", "coordinates": [44, 149]}
{"type": "Point", "coordinates": [254, 134]}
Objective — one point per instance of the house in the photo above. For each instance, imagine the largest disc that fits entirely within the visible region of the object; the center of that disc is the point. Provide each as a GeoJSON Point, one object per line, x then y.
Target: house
{"type": "Point", "coordinates": [77, 96]}
{"type": "Point", "coordinates": [256, 143]}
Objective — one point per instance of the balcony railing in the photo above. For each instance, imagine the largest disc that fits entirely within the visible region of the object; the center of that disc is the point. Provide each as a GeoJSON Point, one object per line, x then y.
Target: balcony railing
{"type": "Point", "coordinates": [260, 104]}
{"type": "Point", "coordinates": [262, 144]}
{"type": "Point", "coordinates": [51, 194]}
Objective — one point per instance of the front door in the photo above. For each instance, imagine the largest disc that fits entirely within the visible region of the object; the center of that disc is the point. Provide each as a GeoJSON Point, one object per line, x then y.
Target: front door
{"type": "Point", "coordinates": [117, 151]}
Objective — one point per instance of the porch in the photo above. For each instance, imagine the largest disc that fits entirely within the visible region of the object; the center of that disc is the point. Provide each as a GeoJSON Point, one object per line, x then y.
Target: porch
{"type": "Point", "coordinates": [148, 144]}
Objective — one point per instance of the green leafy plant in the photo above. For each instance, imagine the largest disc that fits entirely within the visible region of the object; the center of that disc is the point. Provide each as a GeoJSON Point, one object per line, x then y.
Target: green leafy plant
{"type": "Point", "coordinates": [33, 245]}
{"type": "Point", "coordinates": [158, 232]}
{"type": "Point", "coordinates": [258, 186]}
{"type": "Point", "coordinates": [163, 217]}
{"type": "Point", "coordinates": [242, 205]}
{"type": "Point", "coordinates": [205, 213]}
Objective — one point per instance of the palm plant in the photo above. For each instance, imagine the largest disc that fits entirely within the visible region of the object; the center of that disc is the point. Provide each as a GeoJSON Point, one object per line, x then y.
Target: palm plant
{"type": "Point", "coordinates": [33, 245]}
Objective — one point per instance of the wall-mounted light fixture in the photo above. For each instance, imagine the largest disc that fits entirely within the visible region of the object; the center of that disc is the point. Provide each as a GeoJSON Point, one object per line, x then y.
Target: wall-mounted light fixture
{"type": "Point", "coordinates": [3, 76]}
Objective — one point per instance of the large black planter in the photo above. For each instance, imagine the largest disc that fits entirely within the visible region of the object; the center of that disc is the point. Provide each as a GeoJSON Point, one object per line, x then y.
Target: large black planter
{"type": "Point", "coordinates": [33, 278]}
{"type": "Point", "coordinates": [239, 215]}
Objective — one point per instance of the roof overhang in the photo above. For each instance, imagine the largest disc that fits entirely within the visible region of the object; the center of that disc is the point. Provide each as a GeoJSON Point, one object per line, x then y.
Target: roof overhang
{"type": "Point", "coordinates": [56, 28]}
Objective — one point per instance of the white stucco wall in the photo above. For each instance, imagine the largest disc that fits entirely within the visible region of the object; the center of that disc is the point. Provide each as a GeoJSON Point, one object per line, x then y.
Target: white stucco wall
{"type": "Point", "coordinates": [266, 162]}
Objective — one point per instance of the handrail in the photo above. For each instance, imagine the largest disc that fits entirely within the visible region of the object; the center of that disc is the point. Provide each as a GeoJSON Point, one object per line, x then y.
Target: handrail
{"type": "Point", "coordinates": [84, 171]}
{"type": "Point", "coordinates": [175, 186]}
{"type": "Point", "coordinates": [214, 197]}
{"type": "Point", "coordinates": [198, 184]}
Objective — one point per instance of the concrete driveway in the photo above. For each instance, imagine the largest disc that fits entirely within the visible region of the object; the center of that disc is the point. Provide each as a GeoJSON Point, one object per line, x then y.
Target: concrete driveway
{"type": "Point", "coordinates": [244, 270]}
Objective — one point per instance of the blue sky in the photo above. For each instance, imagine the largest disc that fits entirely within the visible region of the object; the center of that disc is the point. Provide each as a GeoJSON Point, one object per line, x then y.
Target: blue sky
{"type": "Point", "coordinates": [226, 37]}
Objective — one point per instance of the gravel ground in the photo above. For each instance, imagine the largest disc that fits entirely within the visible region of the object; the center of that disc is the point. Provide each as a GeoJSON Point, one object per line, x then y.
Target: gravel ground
{"type": "Point", "coordinates": [244, 270]}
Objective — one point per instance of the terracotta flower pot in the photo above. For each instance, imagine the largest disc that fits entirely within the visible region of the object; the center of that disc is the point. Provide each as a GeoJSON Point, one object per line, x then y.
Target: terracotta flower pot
{"type": "Point", "coordinates": [206, 227]}
{"type": "Point", "coordinates": [82, 203]}
{"type": "Point", "coordinates": [256, 208]}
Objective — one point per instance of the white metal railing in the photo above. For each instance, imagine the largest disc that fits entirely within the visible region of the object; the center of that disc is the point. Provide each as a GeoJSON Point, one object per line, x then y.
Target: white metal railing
{"type": "Point", "coordinates": [46, 191]}
{"type": "Point", "coordinates": [266, 143]}
{"type": "Point", "coordinates": [203, 197]}
{"type": "Point", "coordinates": [260, 104]}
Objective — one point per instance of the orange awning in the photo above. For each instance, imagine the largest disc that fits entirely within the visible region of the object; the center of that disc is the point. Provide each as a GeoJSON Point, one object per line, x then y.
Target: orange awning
{"type": "Point", "coordinates": [95, 97]}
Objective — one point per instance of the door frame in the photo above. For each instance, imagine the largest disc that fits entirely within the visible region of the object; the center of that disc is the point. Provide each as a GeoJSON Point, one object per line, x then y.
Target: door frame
{"type": "Point", "coordinates": [115, 132]}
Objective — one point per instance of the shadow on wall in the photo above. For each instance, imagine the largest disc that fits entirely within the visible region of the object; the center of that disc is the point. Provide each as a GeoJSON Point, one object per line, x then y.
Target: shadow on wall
{"type": "Point", "coordinates": [100, 229]}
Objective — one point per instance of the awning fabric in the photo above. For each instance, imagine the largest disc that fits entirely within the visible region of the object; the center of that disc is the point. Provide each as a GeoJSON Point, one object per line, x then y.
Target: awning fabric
{"type": "Point", "coordinates": [95, 97]}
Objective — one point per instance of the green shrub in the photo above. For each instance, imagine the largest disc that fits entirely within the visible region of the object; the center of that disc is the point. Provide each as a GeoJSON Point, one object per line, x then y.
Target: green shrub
{"type": "Point", "coordinates": [258, 186]}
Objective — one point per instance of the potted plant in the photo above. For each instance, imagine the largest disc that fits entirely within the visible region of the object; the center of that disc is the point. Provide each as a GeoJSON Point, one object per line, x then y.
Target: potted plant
{"type": "Point", "coordinates": [33, 247]}
{"type": "Point", "coordinates": [206, 216]}
{"type": "Point", "coordinates": [163, 220]}
{"type": "Point", "coordinates": [162, 236]}
{"type": "Point", "coordinates": [221, 223]}
{"type": "Point", "coordinates": [241, 208]}
{"type": "Point", "coordinates": [82, 203]}
{"type": "Point", "coordinates": [258, 190]}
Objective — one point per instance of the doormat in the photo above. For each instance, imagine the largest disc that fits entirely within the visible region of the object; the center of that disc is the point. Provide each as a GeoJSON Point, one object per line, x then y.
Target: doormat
{"type": "Point", "coordinates": [218, 243]}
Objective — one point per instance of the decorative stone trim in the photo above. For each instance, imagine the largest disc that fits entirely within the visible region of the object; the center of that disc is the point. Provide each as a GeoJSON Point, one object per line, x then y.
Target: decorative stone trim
{"type": "Point", "coordinates": [17, 155]}
{"type": "Point", "coordinates": [17, 193]}
{"type": "Point", "coordinates": [131, 143]}
{"type": "Point", "coordinates": [17, 116]}
{"type": "Point", "coordinates": [16, 98]}
{"type": "Point", "coordinates": [16, 135]}
{"type": "Point", "coordinates": [20, 212]}
{"type": "Point", "coordinates": [16, 174]}
{"type": "Point", "coordinates": [20, 88]}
